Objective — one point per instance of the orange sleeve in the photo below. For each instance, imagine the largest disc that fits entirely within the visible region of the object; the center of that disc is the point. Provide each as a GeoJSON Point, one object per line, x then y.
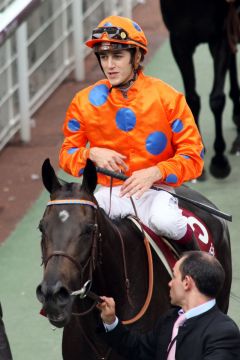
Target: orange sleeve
{"type": "Point", "coordinates": [187, 162]}
{"type": "Point", "coordinates": [73, 153]}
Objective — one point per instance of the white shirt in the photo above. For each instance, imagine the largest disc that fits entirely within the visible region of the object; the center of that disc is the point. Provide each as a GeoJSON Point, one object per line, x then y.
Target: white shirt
{"type": "Point", "coordinates": [198, 310]}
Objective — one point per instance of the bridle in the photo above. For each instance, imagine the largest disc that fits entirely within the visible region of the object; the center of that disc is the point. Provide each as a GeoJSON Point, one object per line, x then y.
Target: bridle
{"type": "Point", "coordinates": [91, 262]}
{"type": "Point", "coordinates": [96, 237]}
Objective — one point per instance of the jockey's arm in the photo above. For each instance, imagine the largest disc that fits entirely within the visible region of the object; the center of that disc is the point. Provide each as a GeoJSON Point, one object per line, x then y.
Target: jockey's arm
{"type": "Point", "coordinates": [140, 181]}
{"type": "Point", "coordinates": [108, 159]}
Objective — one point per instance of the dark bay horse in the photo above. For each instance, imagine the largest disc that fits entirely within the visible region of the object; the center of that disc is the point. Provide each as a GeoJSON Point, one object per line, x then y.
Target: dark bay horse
{"type": "Point", "coordinates": [5, 351]}
{"type": "Point", "coordinates": [191, 23]}
{"type": "Point", "coordinates": [80, 243]}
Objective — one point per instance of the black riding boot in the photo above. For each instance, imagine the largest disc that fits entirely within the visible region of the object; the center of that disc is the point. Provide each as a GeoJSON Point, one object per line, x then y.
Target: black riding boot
{"type": "Point", "coordinates": [192, 244]}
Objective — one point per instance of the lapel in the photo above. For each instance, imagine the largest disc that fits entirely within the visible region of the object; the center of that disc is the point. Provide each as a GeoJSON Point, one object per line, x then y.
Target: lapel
{"type": "Point", "coordinates": [197, 322]}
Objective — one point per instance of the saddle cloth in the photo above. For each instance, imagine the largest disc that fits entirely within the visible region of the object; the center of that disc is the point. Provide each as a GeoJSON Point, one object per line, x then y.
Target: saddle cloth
{"type": "Point", "coordinates": [163, 248]}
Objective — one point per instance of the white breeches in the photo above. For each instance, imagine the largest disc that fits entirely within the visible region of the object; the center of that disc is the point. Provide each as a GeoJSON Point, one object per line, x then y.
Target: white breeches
{"type": "Point", "coordinates": [156, 209]}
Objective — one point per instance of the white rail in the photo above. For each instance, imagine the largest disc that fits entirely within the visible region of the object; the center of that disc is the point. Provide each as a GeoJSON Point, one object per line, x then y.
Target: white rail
{"type": "Point", "coordinates": [41, 42]}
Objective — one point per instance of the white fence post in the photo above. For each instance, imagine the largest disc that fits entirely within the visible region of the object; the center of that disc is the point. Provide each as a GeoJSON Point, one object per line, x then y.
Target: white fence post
{"type": "Point", "coordinates": [23, 90]}
{"type": "Point", "coordinates": [78, 39]}
{"type": "Point", "coordinates": [127, 8]}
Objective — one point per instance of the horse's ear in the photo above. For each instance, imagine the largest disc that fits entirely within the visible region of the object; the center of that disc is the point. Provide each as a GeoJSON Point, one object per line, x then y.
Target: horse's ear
{"type": "Point", "coordinates": [89, 182]}
{"type": "Point", "coordinates": [49, 178]}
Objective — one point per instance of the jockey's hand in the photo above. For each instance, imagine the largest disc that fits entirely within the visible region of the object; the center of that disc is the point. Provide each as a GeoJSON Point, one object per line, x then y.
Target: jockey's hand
{"type": "Point", "coordinates": [107, 308]}
{"type": "Point", "coordinates": [140, 181]}
{"type": "Point", "coordinates": [108, 159]}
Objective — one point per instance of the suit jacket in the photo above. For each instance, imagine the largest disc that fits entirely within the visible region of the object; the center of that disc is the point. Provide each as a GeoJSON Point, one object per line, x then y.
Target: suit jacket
{"type": "Point", "coordinates": [209, 336]}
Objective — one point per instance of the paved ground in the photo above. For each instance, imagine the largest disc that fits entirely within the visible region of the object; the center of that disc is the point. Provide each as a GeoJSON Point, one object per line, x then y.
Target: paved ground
{"type": "Point", "coordinates": [30, 335]}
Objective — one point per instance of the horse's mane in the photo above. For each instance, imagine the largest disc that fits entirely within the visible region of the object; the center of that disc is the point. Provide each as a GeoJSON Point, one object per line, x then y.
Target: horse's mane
{"type": "Point", "coordinates": [121, 222]}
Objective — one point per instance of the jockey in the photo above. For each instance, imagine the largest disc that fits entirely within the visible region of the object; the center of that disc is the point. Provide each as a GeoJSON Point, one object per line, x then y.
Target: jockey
{"type": "Point", "coordinates": [135, 124]}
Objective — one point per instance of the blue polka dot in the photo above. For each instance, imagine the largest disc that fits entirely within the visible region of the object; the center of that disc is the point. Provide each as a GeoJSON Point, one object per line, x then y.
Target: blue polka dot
{"type": "Point", "coordinates": [72, 150]}
{"type": "Point", "coordinates": [125, 119]}
{"type": "Point", "coordinates": [98, 95]}
{"type": "Point", "coordinates": [202, 153]}
{"type": "Point", "coordinates": [185, 156]}
{"type": "Point", "coordinates": [171, 178]}
{"type": "Point", "coordinates": [137, 27]}
{"type": "Point", "coordinates": [80, 172]}
{"type": "Point", "coordinates": [73, 125]}
{"type": "Point", "coordinates": [156, 143]}
{"type": "Point", "coordinates": [177, 126]}
{"type": "Point", "coordinates": [108, 24]}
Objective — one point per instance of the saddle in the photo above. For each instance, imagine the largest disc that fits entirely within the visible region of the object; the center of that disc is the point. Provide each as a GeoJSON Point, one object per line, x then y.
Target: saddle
{"type": "Point", "coordinates": [164, 248]}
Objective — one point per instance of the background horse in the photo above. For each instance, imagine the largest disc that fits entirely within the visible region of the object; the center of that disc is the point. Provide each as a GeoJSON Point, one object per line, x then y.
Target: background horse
{"type": "Point", "coordinates": [80, 242]}
{"type": "Point", "coordinates": [191, 23]}
{"type": "Point", "coordinates": [5, 351]}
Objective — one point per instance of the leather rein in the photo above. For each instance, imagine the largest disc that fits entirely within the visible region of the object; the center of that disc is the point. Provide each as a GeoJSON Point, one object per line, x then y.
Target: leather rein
{"type": "Point", "coordinates": [97, 237]}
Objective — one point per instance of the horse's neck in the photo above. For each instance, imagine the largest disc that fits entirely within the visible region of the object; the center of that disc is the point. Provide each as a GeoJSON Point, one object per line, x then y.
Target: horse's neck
{"type": "Point", "coordinates": [114, 247]}
{"type": "Point", "coordinates": [124, 260]}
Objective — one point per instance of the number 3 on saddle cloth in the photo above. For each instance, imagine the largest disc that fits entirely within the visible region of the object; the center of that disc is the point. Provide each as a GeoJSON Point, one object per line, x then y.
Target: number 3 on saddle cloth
{"type": "Point", "coordinates": [167, 253]}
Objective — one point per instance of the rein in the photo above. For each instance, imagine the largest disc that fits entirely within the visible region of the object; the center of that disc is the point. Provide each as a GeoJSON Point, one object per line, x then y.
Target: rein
{"type": "Point", "coordinates": [92, 259]}
{"type": "Point", "coordinates": [81, 269]}
{"type": "Point", "coordinates": [150, 265]}
{"type": "Point", "coordinates": [96, 235]}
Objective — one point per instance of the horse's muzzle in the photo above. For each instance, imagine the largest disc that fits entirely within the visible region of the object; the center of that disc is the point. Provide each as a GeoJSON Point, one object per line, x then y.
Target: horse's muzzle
{"type": "Point", "coordinates": [56, 301]}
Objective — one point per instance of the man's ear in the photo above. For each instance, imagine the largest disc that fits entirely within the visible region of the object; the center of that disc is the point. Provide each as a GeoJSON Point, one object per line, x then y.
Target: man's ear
{"type": "Point", "coordinates": [188, 282]}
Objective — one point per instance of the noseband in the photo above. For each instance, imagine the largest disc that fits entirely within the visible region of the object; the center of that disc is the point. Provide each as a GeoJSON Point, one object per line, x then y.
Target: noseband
{"type": "Point", "coordinates": [80, 268]}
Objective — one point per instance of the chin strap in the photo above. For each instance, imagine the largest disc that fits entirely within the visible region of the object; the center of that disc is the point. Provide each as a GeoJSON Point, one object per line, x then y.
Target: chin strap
{"type": "Point", "coordinates": [125, 85]}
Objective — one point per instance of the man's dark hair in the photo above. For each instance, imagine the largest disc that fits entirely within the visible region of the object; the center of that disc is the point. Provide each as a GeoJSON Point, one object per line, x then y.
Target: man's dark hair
{"type": "Point", "coordinates": [206, 271]}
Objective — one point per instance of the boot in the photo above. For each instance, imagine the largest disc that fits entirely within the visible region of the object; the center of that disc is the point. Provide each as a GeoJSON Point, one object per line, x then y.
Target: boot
{"type": "Point", "coordinates": [188, 242]}
{"type": "Point", "coordinates": [192, 244]}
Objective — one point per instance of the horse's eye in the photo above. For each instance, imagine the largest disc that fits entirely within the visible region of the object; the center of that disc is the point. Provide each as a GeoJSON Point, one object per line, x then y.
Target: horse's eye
{"type": "Point", "coordinates": [40, 226]}
{"type": "Point", "coordinates": [87, 229]}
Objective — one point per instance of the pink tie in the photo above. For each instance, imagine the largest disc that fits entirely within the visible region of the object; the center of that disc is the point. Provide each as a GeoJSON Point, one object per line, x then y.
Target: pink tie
{"type": "Point", "coordinates": [177, 324]}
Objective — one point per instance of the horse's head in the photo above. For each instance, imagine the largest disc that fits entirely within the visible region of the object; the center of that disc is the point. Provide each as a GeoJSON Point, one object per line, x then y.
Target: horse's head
{"type": "Point", "coordinates": [69, 236]}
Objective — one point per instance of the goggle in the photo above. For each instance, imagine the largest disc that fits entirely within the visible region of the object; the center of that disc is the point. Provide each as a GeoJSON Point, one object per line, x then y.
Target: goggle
{"type": "Point", "coordinates": [112, 32]}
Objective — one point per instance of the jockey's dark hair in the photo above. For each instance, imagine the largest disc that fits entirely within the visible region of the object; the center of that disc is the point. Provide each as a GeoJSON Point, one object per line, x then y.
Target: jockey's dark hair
{"type": "Point", "coordinates": [205, 270]}
{"type": "Point", "coordinates": [132, 52]}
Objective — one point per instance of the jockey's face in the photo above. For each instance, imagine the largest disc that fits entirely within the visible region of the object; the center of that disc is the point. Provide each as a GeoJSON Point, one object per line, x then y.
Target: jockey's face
{"type": "Point", "coordinates": [117, 66]}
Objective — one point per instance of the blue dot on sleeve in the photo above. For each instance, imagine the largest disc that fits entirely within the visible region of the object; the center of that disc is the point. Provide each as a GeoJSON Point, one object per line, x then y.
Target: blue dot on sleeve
{"type": "Point", "coordinates": [177, 125]}
{"type": "Point", "coordinates": [185, 156]}
{"type": "Point", "coordinates": [72, 150]}
{"type": "Point", "coordinates": [73, 125]}
{"type": "Point", "coordinates": [80, 172]}
{"type": "Point", "coordinates": [202, 153]}
{"type": "Point", "coordinates": [98, 95]}
{"type": "Point", "coordinates": [125, 119]}
{"type": "Point", "coordinates": [171, 178]}
{"type": "Point", "coordinates": [156, 143]}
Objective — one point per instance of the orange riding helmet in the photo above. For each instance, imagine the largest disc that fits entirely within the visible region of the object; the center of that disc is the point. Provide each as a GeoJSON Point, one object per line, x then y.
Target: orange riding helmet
{"type": "Point", "coordinates": [117, 32]}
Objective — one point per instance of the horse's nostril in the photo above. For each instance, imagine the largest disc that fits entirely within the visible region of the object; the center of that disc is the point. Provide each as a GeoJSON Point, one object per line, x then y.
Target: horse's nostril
{"type": "Point", "coordinates": [56, 293]}
{"type": "Point", "coordinates": [39, 294]}
{"type": "Point", "coordinates": [62, 296]}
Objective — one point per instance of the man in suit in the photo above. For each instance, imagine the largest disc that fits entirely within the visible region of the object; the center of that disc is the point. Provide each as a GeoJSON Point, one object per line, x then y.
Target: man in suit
{"type": "Point", "coordinates": [206, 333]}
{"type": "Point", "coordinates": [5, 352]}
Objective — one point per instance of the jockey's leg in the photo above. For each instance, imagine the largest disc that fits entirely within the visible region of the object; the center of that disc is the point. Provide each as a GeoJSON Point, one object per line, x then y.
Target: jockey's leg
{"type": "Point", "coordinates": [166, 219]}
{"type": "Point", "coordinates": [157, 209]}
{"type": "Point", "coordinates": [113, 205]}
{"type": "Point", "coordinates": [188, 241]}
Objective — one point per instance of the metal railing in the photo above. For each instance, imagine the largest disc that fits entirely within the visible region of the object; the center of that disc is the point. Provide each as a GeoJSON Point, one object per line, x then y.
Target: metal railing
{"type": "Point", "coordinates": [38, 50]}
